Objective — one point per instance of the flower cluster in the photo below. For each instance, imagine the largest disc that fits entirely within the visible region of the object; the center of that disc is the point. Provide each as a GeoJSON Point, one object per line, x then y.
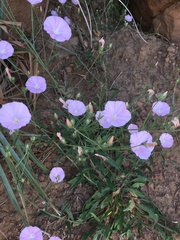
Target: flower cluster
{"type": "Point", "coordinates": [141, 142]}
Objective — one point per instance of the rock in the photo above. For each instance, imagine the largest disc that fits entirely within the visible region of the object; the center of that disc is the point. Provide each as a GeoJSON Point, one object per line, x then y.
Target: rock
{"type": "Point", "coordinates": [162, 16]}
{"type": "Point", "coordinates": [167, 23]}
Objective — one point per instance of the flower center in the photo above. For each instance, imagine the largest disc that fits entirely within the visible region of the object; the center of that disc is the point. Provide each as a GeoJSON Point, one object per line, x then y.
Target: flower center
{"type": "Point", "coordinates": [16, 121]}
{"type": "Point", "coordinates": [31, 236]}
{"type": "Point", "coordinates": [57, 178]}
{"type": "Point", "coordinates": [36, 86]}
{"type": "Point", "coordinates": [3, 52]}
{"type": "Point", "coordinates": [114, 117]}
{"type": "Point", "coordinates": [57, 31]}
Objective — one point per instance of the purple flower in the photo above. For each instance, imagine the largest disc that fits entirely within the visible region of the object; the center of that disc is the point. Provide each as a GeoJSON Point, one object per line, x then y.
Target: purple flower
{"type": "Point", "coordinates": [160, 108]}
{"type": "Point", "coordinates": [31, 233]}
{"type": "Point", "coordinates": [166, 140]}
{"type": "Point", "coordinates": [128, 18]}
{"type": "Point", "coordinates": [141, 144]}
{"type": "Point", "coordinates": [57, 174]}
{"type": "Point", "coordinates": [75, 107]}
{"type": "Point", "coordinates": [36, 84]}
{"type": "Point", "coordinates": [67, 20]}
{"type": "Point", "coordinates": [102, 120]}
{"type": "Point", "coordinates": [57, 28]}
{"type": "Point", "coordinates": [62, 1]}
{"type": "Point", "coordinates": [116, 113]}
{"type": "Point", "coordinates": [132, 128]}
{"type": "Point", "coordinates": [55, 238]}
{"type": "Point", "coordinates": [75, 2]}
{"type": "Point", "coordinates": [34, 2]}
{"type": "Point", "coordinates": [6, 50]}
{"type": "Point", "coordinates": [14, 115]}
{"type": "Point", "coordinates": [54, 13]}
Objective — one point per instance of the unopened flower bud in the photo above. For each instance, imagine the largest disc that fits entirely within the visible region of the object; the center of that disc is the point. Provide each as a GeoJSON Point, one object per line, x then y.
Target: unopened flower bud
{"type": "Point", "coordinates": [90, 106]}
{"type": "Point", "coordinates": [8, 154]}
{"type": "Point", "coordinates": [153, 144]}
{"type": "Point", "coordinates": [68, 123]}
{"type": "Point", "coordinates": [23, 180]}
{"type": "Point", "coordinates": [63, 102]}
{"type": "Point", "coordinates": [74, 134]}
{"type": "Point", "coordinates": [102, 43]}
{"type": "Point", "coordinates": [151, 92]}
{"type": "Point", "coordinates": [87, 121]}
{"type": "Point", "coordinates": [55, 116]}
{"type": "Point", "coordinates": [27, 147]}
{"type": "Point", "coordinates": [60, 137]}
{"type": "Point", "coordinates": [33, 139]}
{"type": "Point", "coordinates": [79, 151]}
{"type": "Point", "coordinates": [162, 96]}
{"type": "Point", "coordinates": [78, 95]}
{"type": "Point", "coordinates": [110, 141]}
{"type": "Point", "coordinates": [176, 123]}
{"type": "Point", "coordinates": [101, 156]}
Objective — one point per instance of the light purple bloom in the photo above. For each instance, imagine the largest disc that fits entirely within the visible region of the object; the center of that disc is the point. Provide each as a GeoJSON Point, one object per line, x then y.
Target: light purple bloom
{"type": "Point", "coordinates": [160, 108]}
{"type": "Point", "coordinates": [34, 2]}
{"type": "Point", "coordinates": [132, 128]}
{"type": "Point", "coordinates": [75, 2]}
{"type": "Point", "coordinates": [57, 174]}
{"type": "Point", "coordinates": [67, 20]}
{"type": "Point", "coordinates": [128, 18]}
{"type": "Point", "coordinates": [75, 107]}
{"type": "Point", "coordinates": [141, 144]}
{"type": "Point", "coordinates": [14, 115]}
{"type": "Point", "coordinates": [57, 28]}
{"type": "Point", "coordinates": [31, 233]}
{"type": "Point", "coordinates": [102, 120]}
{"type": "Point", "coordinates": [6, 50]}
{"type": "Point", "coordinates": [62, 1]}
{"type": "Point", "coordinates": [166, 140]}
{"type": "Point", "coordinates": [54, 13]}
{"type": "Point", "coordinates": [55, 238]}
{"type": "Point", "coordinates": [36, 84]}
{"type": "Point", "coordinates": [116, 113]}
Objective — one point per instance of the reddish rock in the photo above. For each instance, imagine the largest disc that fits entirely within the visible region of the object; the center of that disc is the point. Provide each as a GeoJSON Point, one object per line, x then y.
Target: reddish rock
{"type": "Point", "coordinates": [162, 16]}
{"type": "Point", "coordinates": [167, 23]}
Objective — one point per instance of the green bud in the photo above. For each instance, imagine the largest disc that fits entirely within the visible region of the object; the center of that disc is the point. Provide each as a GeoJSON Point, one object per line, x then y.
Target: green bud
{"type": "Point", "coordinates": [161, 96]}
{"type": "Point", "coordinates": [33, 139]}
{"type": "Point", "coordinates": [78, 95]}
{"type": "Point", "coordinates": [87, 121]}
{"type": "Point", "coordinates": [55, 116]}
{"type": "Point", "coordinates": [99, 139]}
{"type": "Point", "coordinates": [23, 180]}
{"type": "Point", "coordinates": [27, 147]}
{"type": "Point", "coordinates": [8, 154]}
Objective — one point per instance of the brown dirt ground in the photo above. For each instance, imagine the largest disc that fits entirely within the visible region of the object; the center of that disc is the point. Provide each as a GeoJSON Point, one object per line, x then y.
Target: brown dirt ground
{"type": "Point", "coordinates": [131, 66]}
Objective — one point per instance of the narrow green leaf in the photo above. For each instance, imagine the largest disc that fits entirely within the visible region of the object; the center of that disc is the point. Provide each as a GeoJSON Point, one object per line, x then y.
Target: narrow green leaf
{"type": "Point", "coordinates": [11, 194]}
